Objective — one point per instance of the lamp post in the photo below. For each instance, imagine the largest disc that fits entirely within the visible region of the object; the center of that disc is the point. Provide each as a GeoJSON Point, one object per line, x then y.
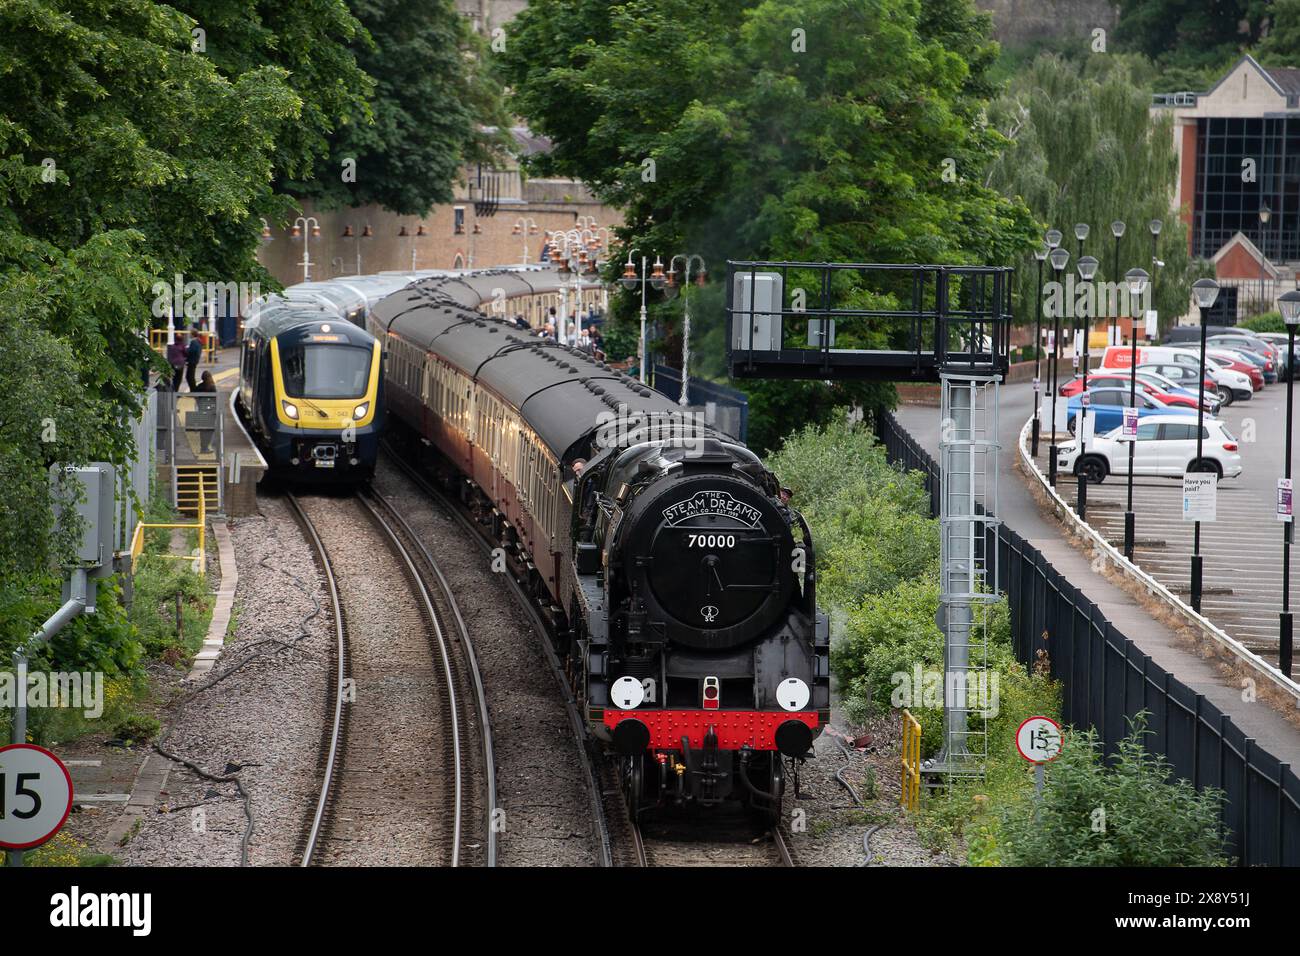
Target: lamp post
{"type": "Point", "coordinates": [1081, 231]}
{"type": "Point", "coordinates": [630, 279]}
{"type": "Point", "coordinates": [1117, 230]}
{"type": "Point", "coordinates": [1264, 215]}
{"type": "Point", "coordinates": [1137, 283]}
{"type": "Point", "coordinates": [1060, 257]}
{"type": "Point", "coordinates": [1155, 225]}
{"type": "Point", "coordinates": [419, 233]}
{"type": "Point", "coordinates": [670, 290]}
{"type": "Point", "coordinates": [366, 233]}
{"type": "Point", "coordinates": [1205, 291]}
{"type": "Point", "coordinates": [525, 226]}
{"type": "Point", "coordinates": [300, 231]}
{"type": "Point", "coordinates": [1041, 255]}
{"type": "Point", "coordinates": [1289, 304]}
{"type": "Point", "coordinates": [1087, 267]}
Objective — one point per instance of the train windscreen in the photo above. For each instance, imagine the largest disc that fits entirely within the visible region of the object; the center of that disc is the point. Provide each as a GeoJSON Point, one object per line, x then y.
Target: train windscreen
{"type": "Point", "coordinates": [325, 371]}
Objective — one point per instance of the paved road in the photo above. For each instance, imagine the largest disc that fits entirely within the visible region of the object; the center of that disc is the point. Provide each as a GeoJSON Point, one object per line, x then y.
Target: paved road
{"type": "Point", "coordinates": [1019, 511]}
{"type": "Point", "coordinates": [1242, 549]}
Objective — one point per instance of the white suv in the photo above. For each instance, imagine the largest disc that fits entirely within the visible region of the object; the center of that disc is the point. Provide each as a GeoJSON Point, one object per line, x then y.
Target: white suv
{"type": "Point", "coordinates": [1166, 446]}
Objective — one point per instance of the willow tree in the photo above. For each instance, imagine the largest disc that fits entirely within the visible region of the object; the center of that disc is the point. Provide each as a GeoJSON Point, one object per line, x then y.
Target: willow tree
{"type": "Point", "coordinates": [1085, 148]}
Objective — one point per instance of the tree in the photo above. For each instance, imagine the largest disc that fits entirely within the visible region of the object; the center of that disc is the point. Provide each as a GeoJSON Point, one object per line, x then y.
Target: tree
{"type": "Point", "coordinates": [1281, 45]}
{"type": "Point", "coordinates": [125, 157]}
{"type": "Point", "coordinates": [1190, 32]}
{"type": "Point", "coordinates": [1084, 148]}
{"type": "Point", "coordinates": [837, 130]}
{"type": "Point", "coordinates": [432, 97]}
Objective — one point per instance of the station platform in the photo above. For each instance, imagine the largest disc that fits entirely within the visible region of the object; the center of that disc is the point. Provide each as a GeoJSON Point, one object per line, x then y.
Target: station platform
{"type": "Point", "coordinates": [193, 459]}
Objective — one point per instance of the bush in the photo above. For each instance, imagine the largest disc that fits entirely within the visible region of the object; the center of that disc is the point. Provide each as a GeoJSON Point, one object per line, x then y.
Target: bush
{"type": "Point", "coordinates": [1131, 813]}
{"type": "Point", "coordinates": [1265, 322]}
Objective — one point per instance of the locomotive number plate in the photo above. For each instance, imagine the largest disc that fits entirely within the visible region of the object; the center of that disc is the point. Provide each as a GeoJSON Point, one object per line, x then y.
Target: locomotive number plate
{"type": "Point", "coordinates": [710, 540]}
{"type": "Point", "coordinates": [324, 462]}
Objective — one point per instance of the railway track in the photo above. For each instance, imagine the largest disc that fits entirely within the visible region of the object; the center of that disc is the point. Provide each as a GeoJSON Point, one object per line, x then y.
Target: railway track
{"type": "Point", "coordinates": [738, 847]}
{"type": "Point", "coordinates": [620, 843]}
{"type": "Point", "coordinates": [588, 759]}
{"type": "Point", "coordinates": [406, 768]}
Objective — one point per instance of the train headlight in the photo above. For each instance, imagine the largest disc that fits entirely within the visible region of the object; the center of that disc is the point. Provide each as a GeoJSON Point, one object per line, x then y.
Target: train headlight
{"type": "Point", "coordinates": [290, 409]}
{"type": "Point", "coordinates": [359, 412]}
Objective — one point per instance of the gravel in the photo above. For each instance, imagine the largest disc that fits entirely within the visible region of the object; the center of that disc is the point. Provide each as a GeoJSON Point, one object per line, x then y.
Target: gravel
{"type": "Point", "coordinates": [254, 721]}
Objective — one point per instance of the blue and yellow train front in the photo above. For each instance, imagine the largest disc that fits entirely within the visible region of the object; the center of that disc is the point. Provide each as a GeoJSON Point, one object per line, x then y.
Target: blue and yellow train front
{"type": "Point", "coordinates": [328, 403]}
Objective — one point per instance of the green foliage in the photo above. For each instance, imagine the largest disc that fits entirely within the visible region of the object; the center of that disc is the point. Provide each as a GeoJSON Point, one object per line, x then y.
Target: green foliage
{"type": "Point", "coordinates": [1266, 322]}
{"type": "Point", "coordinates": [431, 100]}
{"type": "Point", "coordinates": [1130, 813]}
{"type": "Point", "coordinates": [153, 611]}
{"type": "Point", "coordinates": [786, 129]}
{"type": "Point", "coordinates": [1191, 40]}
{"type": "Point", "coordinates": [1084, 148]}
{"type": "Point", "coordinates": [869, 519]}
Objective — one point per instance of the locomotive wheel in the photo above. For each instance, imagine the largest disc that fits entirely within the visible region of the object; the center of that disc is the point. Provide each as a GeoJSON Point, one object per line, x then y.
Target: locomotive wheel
{"type": "Point", "coordinates": [633, 785]}
{"type": "Point", "coordinates": [776, 785]}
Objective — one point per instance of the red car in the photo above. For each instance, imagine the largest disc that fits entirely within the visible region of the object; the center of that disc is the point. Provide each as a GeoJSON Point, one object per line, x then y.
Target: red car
{"type": "Point", "coordinates": [1144, 384]}
{"type": "Point", "coordinates": [1248, 369]}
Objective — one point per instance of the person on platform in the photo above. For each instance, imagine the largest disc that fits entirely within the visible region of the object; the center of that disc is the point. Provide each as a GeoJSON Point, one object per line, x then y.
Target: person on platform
{"type": "Point", "coordinates": [193, 352]}
{"type": "Point", "coordinates": [176, 359]}
{"type": "Point", "coordinates": [206, 384]}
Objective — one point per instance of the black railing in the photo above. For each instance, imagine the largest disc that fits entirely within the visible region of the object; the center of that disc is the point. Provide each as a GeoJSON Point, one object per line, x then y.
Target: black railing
{"type": "Point", "coordinates": [874, 321]}
{"type": "Point", "coordinates": [1106, 680]}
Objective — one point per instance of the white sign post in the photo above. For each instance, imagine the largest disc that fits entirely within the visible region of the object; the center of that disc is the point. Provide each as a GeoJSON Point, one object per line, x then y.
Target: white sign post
{"type": "Point", "coordinates": [1200, 490]}
{"type": "Point", "coordinates": [35, 796]}
{"type": "Point", "coordinates": [1285, 503]}
{"type": "Point", "coordinates": [1039, 741]}
{"type": "Point", "coordinates": [1130, 429]}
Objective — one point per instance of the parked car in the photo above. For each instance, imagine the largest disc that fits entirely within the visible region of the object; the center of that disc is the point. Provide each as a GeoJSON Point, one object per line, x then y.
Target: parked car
{"type": "Point", "coordinates": [1229, 384]}
{"type": "Point", "coordinates": [1165, 446]}
{"type": "Point", "coordinates": [1107, 406]}
{"type": "Point", "coordinates": [1191, 334]}
{"type": "Point", "coordinates": [1180, 375]}
{"type": "Point", "coordinates": [1160, 389]}
{"type": "Point", "coordinates": [1237, 362]}
{"type": "Point", "coordinates": [1279, 342]}
{"type": "Point", "coordinates": [1258, 353]}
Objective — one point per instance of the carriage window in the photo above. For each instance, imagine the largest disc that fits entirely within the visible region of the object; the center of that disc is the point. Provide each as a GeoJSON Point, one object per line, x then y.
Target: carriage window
{"type": "Point", "coordinates": [325, 371]}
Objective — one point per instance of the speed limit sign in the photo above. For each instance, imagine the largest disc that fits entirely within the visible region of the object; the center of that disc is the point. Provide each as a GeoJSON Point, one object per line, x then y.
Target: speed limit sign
{"type": "Point", "coordinates": [35, 796]}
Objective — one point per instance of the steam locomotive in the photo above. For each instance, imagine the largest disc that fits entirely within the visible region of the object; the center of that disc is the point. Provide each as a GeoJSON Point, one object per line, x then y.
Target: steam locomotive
{"type": "Point", "coordinates": [680, 586]}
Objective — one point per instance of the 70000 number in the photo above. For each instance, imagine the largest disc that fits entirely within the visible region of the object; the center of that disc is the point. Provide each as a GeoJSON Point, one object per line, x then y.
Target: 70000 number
{"type": "Point", "coordinates": [711, 541]}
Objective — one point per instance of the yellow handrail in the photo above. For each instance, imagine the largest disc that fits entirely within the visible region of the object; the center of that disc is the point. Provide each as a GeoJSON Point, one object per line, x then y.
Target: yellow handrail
{"type": "Point", "coordinates": [137, 539]}
{"type": "Point", "coordinates": [911, 761]}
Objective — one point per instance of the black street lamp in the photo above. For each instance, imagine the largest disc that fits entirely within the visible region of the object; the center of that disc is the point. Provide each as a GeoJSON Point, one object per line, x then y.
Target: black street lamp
{"type": "Point", "coordinates": [1117, 230]}
{"type": "Point", "coordinates": [1087, 267]}
{"type": "Point", "coordinates": [1060, 257]}
{"type": "Point", "coordinates": [1289, 304]}
{"type": "Point", "coordinates": [1137, 284]}
{"type": "Point", "coordinates": [1205, 291]}
{"type": "Point", "coordinates": [1041, 255]}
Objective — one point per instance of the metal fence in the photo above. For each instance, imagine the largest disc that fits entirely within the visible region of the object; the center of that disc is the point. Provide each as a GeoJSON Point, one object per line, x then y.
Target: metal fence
{"type": "Point", "coordinates": [724, 408]}
{"type": "Point", "coordinates": [1106, 680]}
